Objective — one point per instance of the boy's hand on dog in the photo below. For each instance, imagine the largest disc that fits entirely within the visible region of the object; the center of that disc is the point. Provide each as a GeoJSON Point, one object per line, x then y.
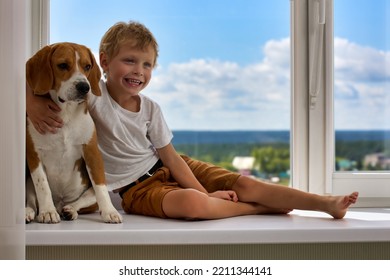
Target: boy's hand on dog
{"type": "Point", "coordinates": [43, 113]}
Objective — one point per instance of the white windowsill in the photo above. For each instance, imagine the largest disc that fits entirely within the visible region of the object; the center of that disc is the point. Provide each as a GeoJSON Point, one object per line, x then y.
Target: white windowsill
{"type": "Point", "coordinates": [359, 225]}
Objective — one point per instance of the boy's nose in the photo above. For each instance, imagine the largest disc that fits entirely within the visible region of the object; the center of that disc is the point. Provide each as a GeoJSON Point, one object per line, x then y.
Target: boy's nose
{"type": "Point", "coordinates": [137, 70]}
{"type": "Point", "coordinates": [138, 73]}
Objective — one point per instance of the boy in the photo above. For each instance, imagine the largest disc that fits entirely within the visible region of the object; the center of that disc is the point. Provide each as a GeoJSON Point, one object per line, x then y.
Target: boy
{"type": "Point", "coordinates": [142, 164]}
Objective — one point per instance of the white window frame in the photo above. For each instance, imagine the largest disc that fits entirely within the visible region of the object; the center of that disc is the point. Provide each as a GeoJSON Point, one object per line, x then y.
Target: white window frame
{"type": "Point", "coordinates": [40, 23]}
{"type": "Point", "coordinates": [310, 137]}
{"type": "Point", "coordinates": [14, 43]}
{"type": "Point", "coordinates": [312, 129]}
{"type": "Point", "coordinates": [374, 187]}
{"type": "Point", "coordinates": [299, 151]}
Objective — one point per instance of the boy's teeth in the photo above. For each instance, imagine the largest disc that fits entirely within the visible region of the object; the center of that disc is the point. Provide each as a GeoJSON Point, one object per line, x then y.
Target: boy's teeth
{"type": "Point", "coordinates": [133, 81]}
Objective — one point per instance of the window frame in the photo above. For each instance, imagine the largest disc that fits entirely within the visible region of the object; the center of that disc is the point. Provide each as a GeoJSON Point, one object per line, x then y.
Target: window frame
{"type": "Point", "coordinates": [373, 187]}
{"type": "Point", "coordinates": [299, 151]}
{"type": "Point", "coordinates": [312, 130]}
{"type": "Point", "coordinates": [40, 25]}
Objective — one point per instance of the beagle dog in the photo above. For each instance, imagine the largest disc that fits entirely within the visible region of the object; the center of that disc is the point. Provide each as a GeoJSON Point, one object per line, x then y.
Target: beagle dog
{"type": "Point", "coordinates": [67, 172]}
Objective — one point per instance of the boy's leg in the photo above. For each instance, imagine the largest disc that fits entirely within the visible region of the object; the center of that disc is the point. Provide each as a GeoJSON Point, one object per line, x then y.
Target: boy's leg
{"type": "Point", "coordinates": [276, 196]}
{"type": "Point", "coordinates": [192, 204]}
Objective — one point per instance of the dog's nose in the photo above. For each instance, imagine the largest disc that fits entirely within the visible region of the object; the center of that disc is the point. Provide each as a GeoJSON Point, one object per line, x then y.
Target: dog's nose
{"type": "Point", "coordinates": [82, 87]}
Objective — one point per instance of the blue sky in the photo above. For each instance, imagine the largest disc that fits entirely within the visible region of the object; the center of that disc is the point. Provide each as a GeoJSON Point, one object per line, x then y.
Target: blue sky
{"type": "Point", "coordinates": [363, 21]}
{"type": "Point", "coordinates": [204, 30]}
{"type": "Point", "coordinates": [224, 64]}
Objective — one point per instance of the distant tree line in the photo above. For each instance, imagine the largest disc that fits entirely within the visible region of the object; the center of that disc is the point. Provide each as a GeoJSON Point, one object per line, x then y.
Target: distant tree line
{"type": "Point", "coordinates": [274, 158]}
{"type": "Point", "coordinates": [270, 158]}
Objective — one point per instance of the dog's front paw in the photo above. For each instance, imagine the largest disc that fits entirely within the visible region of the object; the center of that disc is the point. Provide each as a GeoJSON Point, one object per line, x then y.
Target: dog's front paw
{"type": "Point", "coordinates": [111, 216]}
{"type": "Point", "coordinates": [48, 217]}
{"type": "Point", "coordinates": [69, 213]}
{"type": "Point", "coordinates": [30, 215]}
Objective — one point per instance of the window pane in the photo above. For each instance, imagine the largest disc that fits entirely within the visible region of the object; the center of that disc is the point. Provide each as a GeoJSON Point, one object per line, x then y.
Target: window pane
{"type": "Point", "coordinates": [362, 84]}
{"type": "Point", "coordinates": [223, 75]}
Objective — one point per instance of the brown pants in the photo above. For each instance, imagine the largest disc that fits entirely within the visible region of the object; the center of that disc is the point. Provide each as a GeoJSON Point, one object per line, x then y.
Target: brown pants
{"type": "Point", "coordinates": [146, 197]}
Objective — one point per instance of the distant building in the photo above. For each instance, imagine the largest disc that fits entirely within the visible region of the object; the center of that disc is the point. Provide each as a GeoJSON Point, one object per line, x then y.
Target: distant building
{"type": "Point", "coordinates": [346, 165]}
{"type": "Point", "coordinates": [377, 160]}
{"type": "Point", "coordinates": [244, 165]}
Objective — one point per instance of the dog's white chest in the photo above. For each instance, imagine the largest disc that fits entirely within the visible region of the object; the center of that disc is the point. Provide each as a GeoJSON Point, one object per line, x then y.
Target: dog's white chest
{"type": "Point", "coordinates": [61, 153]}
{"type": "Point", "coordinates": [77, 130]}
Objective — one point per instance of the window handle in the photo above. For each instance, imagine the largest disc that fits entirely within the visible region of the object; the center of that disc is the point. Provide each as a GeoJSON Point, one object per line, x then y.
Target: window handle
{"type": "Point", "coordinates": [316, 46]}
{"type": "Point", "coordinates": [321, 11]}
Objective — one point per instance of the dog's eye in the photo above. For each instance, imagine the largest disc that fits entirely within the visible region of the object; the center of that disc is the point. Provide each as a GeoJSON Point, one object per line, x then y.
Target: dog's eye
{"type": "Point", "coordinates": [63, 66]}
{"type": "Point", "coordinates": [87, 67]}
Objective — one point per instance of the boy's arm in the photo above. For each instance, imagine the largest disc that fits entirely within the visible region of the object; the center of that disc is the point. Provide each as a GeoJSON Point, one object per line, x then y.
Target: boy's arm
{"type": "Point", "coordinates": [42, 112]}
{"type": "Point", "coordinates": [179, 168]}
{"type": "Point", "coordinates": [184, 176]}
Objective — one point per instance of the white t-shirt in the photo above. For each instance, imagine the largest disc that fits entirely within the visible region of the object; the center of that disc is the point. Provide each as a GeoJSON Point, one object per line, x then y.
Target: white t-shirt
{"type": "Point", "coordinates": [127, 140]}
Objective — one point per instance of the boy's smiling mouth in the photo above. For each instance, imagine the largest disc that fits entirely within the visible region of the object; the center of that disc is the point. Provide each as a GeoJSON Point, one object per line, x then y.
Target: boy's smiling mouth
{"type": "Point", "coordinates": [133, 82]}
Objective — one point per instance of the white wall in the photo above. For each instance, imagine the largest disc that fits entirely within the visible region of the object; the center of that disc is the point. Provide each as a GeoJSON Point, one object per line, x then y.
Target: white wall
{"type": "Point", "coordinates": [13, 35]}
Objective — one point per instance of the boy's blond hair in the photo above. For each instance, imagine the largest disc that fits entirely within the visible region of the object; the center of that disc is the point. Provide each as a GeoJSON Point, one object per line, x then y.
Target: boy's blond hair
{"type": "Point", "coordinates": [131, 32]}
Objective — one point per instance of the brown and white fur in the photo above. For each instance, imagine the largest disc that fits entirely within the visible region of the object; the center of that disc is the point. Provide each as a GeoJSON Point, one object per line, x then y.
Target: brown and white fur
{"type": "Point", "coordinates": [67, 172]}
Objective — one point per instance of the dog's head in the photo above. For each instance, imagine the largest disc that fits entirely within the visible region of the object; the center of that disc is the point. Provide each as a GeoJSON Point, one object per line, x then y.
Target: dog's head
{"type": "Point", "coordinates": [67, 69]}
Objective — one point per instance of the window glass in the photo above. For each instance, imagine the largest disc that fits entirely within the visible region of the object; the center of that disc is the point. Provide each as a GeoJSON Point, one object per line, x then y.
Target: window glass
{"type": "Point", "coordinates": [223, 75]}
{"type": "Point", "coordinates": [362, 84]}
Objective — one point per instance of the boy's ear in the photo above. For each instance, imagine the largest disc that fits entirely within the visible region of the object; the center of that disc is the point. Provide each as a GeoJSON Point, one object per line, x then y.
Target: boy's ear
{"type": "Point", "coordinates": [103, 61]}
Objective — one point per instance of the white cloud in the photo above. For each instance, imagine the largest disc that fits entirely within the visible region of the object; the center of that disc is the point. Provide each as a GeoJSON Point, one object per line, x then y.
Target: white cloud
{"type": "Point", "coordinates": [213, 94]}
{"type": "Point", "coordinates": [360, 63]}
{"type": "Point", "coordinates": [362, 86]}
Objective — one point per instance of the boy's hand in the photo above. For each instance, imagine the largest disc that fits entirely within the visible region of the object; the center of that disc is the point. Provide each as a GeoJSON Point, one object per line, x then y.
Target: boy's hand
{"type": "Point", "coordinates": [43, 113]}
{"type": "Point", "coordinates": [226, 195]}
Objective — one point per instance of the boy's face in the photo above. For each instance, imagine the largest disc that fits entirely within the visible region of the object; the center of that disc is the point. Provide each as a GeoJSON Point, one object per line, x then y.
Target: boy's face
{"type": "Point", "coordinates": [130, 70]}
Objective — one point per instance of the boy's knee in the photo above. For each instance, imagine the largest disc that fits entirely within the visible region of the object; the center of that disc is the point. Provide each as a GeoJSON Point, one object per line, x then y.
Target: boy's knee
{"type": "Point", "coordinates": [195, 205]}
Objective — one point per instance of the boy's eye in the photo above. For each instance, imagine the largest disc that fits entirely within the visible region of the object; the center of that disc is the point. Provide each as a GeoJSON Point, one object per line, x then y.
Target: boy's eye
{"type": "Point", "coordinates": [130, 61]}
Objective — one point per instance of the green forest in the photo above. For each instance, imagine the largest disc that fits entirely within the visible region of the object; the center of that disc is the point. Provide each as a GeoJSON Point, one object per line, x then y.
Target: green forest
{"type": "Point", "coordinates": [273, 159]}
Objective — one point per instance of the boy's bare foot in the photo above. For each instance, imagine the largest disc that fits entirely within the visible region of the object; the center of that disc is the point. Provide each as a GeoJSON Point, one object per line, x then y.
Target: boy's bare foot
{"type": "Point", "coordinates": [339, 205]}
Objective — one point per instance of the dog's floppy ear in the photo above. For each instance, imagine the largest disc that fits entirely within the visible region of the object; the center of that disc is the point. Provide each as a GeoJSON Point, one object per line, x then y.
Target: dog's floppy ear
{"type": "Point", "coordinates": [94, 75]}
{"type": "Point", "coordinates": [39, 73]}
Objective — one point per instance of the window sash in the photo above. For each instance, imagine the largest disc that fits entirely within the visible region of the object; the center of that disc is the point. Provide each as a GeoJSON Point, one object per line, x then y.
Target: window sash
{"type": "Point", "coordinates": [299, 94]}
{"type": "Point", "coordinates": [40, 22]}
{"type": "Point", "coordinates": [374, 187]}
